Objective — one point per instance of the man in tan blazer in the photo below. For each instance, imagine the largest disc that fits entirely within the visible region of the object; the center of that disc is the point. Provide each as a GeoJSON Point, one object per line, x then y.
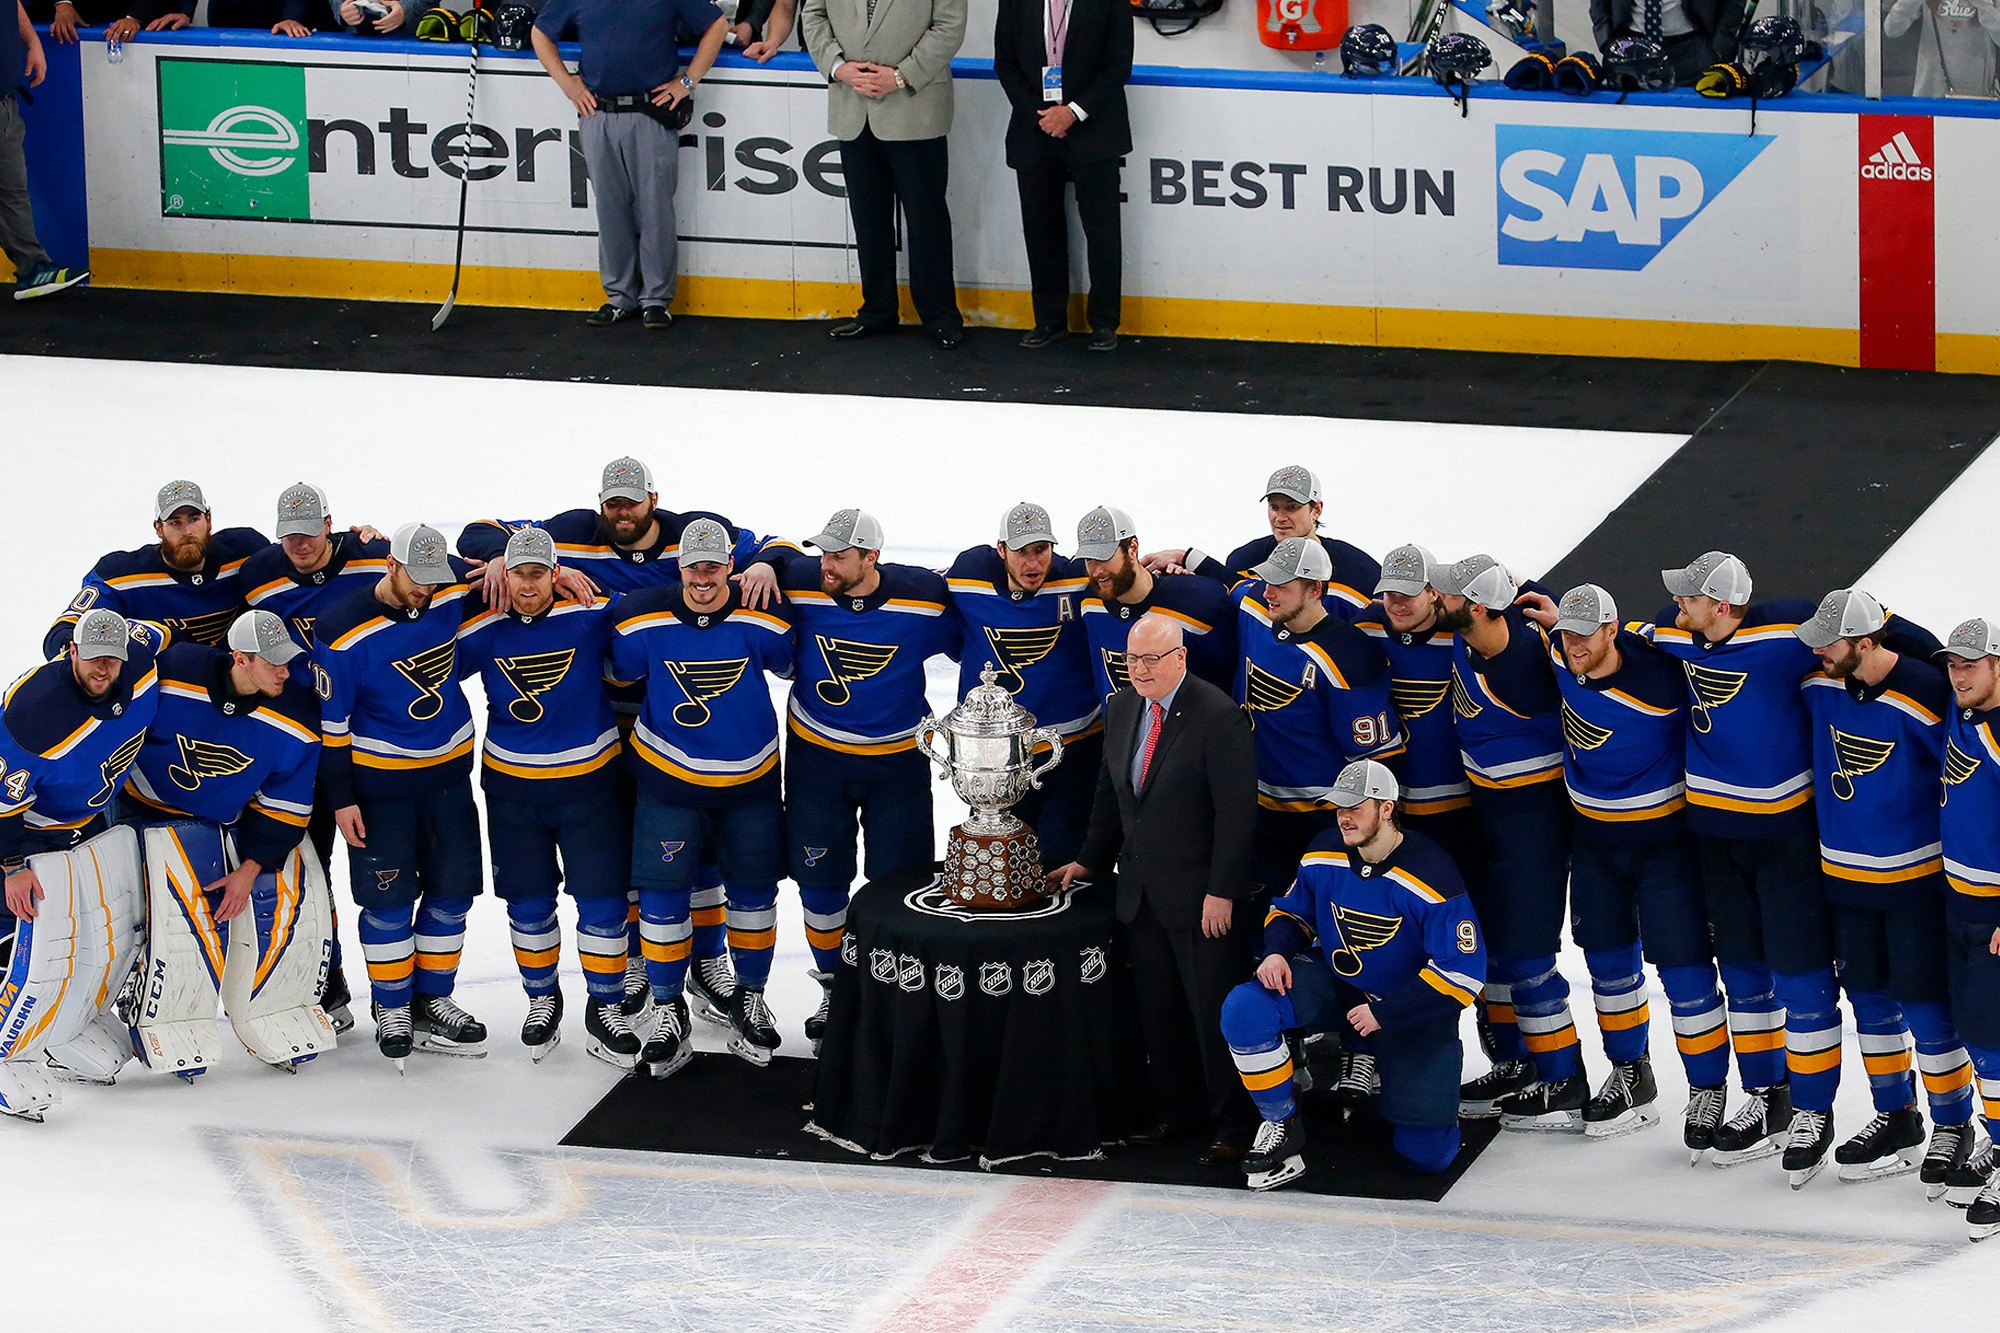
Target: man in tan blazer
{"type": "Point", "coordinates": [889, 64]}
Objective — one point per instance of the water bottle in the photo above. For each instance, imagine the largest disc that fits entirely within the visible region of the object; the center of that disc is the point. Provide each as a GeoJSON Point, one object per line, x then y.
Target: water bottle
{"type": "Point", "coordinates": [114, 50]}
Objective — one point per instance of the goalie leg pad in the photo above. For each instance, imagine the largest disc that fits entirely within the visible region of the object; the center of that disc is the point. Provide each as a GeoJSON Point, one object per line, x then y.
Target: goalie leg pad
{"type": "Point", "coordinates": [26, 1090]}
{"type": "Point", "coordinates": [113, 908]}
{"type": "Point", "coordinates": [65, 962]}
{"type": "Point", "coordinates": [185, 949]}
{"type": "Point", "coordinates": [279, 951]}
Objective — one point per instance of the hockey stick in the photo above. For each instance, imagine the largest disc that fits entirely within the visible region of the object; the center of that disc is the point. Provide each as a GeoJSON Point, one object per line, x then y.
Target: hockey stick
{"type": "Point", "coordinates": [1429, 22]}
{"type": "Point", "coordinates": [464, 182]}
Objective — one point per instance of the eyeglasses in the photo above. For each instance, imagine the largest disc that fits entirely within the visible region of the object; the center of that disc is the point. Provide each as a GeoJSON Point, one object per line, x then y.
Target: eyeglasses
{"type": "Point", "coordinates": [1151, 660]}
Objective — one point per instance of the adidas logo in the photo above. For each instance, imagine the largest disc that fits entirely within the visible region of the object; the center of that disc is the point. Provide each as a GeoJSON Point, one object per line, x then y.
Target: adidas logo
{"type": "Point", "coordinates": [1896, 160]}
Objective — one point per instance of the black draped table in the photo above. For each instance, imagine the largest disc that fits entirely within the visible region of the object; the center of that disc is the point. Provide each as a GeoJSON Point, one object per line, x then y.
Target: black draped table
{"type": "Point", "coordinates": [956, 1032]}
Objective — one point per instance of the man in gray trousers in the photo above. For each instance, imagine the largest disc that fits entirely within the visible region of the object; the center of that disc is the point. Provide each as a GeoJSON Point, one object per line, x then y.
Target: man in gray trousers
{"type": "Point", "coordinates": [889, 66]}
{"type": "Point", "coordinates": [628, 102]}
{"type": "Point", "coordinates": [22, 65]}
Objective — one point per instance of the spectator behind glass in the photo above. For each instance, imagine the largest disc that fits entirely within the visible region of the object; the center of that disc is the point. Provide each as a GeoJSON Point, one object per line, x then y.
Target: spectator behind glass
{"type": "Point", "coordinates": [1955, 49]}
{"type": "Point", "coordinates": [401, 17]}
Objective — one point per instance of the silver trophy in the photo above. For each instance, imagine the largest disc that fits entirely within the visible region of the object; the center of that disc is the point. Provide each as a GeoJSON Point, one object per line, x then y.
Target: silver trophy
{"type": "Point", "coordinates": [992, 860]}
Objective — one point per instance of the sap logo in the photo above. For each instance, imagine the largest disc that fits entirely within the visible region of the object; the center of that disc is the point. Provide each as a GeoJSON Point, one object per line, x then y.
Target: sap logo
{"type": "Point", "coordinates": [1573, 197]}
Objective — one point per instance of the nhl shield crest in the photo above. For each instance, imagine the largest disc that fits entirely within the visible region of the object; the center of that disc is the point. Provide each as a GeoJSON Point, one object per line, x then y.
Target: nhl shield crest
{"type": "Point", "coordinates": [910, 972]}
{"type": "Point", "coordinates": [1038, 976]}
{"type": "Point", "coordinates": [882, 966]}
{"type": "Point", "coordinates": [948, 979]}
{"type": "Point", "coordinates": [996, 979]}
{"type": "Point", "coordinates": [1090, 964]}
{"type": "Point", "coordinates": [850, 950]}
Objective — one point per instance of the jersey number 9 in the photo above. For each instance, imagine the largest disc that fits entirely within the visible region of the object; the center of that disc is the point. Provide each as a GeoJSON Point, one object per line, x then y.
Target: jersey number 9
{"type": "Point", "coordinates": [1370, 732]}
{"type": "Point", "coordinates": [1468, 937]}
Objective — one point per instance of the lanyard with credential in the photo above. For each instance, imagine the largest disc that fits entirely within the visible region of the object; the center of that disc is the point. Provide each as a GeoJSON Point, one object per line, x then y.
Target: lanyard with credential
{"type": "Point", "coordinates": [1054, 35]}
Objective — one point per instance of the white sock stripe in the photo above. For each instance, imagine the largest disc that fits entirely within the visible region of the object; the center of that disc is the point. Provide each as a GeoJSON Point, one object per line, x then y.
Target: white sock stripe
{"type": "Point", "coordinates": [1497, 992]}
{"type": "Point", "coordinates": [764, 920]}
{"type": "Point", "coordinates": [1621, 1003]}
{"type": "Point", "coordinates": [602, 946]}
{"type": "Point", "coordinates": [714, 897]}
{"type": "Point", "coordinates": [666, 932]}
{"type": "Point", "coordinates": [391, 952]}
{"type": "Point", "coordinates": [1754, 1021]}
{"type": "Point", "coordinates": [1693, 1025]}
{"type": "Point", "coordinates": [829, 921]}
{"type": "Point", "coordinates": [536, 941]}
{"type": "Point", "coordinates": [1259, 1062]}
{"type": "Point", "coordinates": [1945, 1062]}
{"type": "Point", "coordinates": [1540, 1024]}
{"type": "Point", "coordinates": [451, 943]}
{"type": "Point", "coordinates": [1885, 1043]}
{"type": "Point", "coordinates": [1989, 1088]}
{"type": "Point", "coordinates": [1811, 1043]}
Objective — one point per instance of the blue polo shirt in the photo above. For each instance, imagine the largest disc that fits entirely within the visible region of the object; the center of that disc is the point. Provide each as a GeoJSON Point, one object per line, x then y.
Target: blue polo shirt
{"type": "Point", "coordinates": [13, 53]}
{"type": "Point", "coordinates": [628, 45]}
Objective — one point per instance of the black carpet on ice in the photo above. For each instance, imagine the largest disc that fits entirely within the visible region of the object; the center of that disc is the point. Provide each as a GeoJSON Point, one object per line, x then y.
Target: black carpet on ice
{"type": "Point", "coordinates": [720, 1106]}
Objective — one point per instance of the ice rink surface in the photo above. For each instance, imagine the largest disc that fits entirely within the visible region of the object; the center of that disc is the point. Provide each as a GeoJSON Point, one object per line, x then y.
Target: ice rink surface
{"type": "Point", "coordinates": [346, 1197]}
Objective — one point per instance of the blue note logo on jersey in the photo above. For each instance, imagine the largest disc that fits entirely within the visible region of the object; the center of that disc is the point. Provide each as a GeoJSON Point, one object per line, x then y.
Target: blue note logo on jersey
{"type": "Point", "coordinates": [1359, 932]}
{"type": "Point", "coordinates": [114, 768]}
{"type": "Point", "coordinates": [1577, 197]}
{"type": "Point", "coordinates": [429, 671]}
{"type": "Point", "coordinates": [201, 759]}
{"type": "Point", "coordinates": [813, 855]}
{"type": "Point", "coordinates": [669, 849]}
{"type": "Point", "coordinates": [533, 675]}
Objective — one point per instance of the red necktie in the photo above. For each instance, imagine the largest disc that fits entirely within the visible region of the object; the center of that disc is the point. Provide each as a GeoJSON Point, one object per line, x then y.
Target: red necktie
{"type": "Point", "coordinates": [1155, 718]}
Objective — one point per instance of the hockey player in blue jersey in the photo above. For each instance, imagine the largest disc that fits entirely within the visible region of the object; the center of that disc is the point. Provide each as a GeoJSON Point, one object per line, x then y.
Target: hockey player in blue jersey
{"type": "Point", "coordinates": [627, 544]}
{"type": "Point", "coordinates": [1317, 691]}
{"type": "Point", "coordinates": [190, 581]}
{"type": "Point", "coordinates": [865, 631]}
{"type": "Point", "coordinates": [1878, 705]}
{"type": "Point", "coordinates": [1963, 1164]}
{"type": "Point", "coordinates": [396, 766]}
{"type": "Point", "coordinates": [294, 578]}
{"type": "Point", "coordinates": [1506, 715]}
{"type": "Point", "coordinates": [555, 815]}
{"type": "Point", "coordinates": [1019, 607]}
{"type": "Point", "coordinates": [1293, 505]}
{"type": "Point", "coordinates": [68, 731]}
{"type": "Point", "coordinates": [705, 753]}
{"type": "Point", "coordinates": [1632, 875]}
{"type": "Point", "coordinates": [1750, 817]}
{"type": "Point", "coordinates": [1375, 940]}
{"type": "Point", "coordinates": [1122, 590]}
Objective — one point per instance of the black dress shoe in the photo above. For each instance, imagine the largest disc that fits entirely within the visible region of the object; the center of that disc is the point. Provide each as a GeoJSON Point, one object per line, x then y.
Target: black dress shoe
{"type": "Point", "coordinates": [1157, 1133]}
{"type": "Point", "coordinates": [856, 328]}
{"type": "Point", "coordinates": [608, 314]}
{"type": "Point", "coordinates": [1104, 340]}
{"type": "Point", "coordinates": [947, 339]}
{"type": "Point", "coordinates": [1223, 1153]}
{"type": "Point", "coordinates": [655, 317]}
{"type": "Point", "coordinates": [1041, 336]}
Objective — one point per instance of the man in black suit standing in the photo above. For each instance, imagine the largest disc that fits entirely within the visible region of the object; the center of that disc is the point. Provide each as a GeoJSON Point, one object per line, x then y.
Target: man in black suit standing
{"type": "Point", "coordinates": [1694, 33]}
{"type": "Point", "coordinates": [1175, 810]}
{"type": "Point", "coordinates": [1064, 65]}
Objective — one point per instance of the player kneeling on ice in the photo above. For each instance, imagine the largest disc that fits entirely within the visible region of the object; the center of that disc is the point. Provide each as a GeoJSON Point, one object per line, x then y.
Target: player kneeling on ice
{"type": "Point", "coordinates": [1377, 941]}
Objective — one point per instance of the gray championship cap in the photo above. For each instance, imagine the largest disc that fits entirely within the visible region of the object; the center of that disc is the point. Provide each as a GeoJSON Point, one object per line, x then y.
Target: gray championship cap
{"type": "Point", "coordinates": [1974, 639]}
{"type": "Point", "coordinates": [301, 511]}
{"type": "Point", "coordinates": [529, 546]}
{"type": "Point", "coordinates": [1406, 570]}
{"type": "Point", "coordinates": [1025, 525]}
{"type": "Point", "coordinates": [1364, 780]}
{"type": "Point", "coordinates": [1294, 481]}
{"type": "Point", "coordinates": [262, 634]}
{"type": "Point", "coordinates": [1296, 558]}
{"type": "Point", "coordinates": [1478, 578]}
{"type": "Point", "coordinates": [625, 479]}
{"type": "Point", "coordinates": [1101, 531]}
{"type": "Point", "coordinates": [420, 549]}
{"type": "Point", "coordinates": [705, 541]}
{"type": "Point", "coordinates": [1585, 609]}
{"type": "Point", "coordinates": [101, 633]}
{"type": "Point", "coordinates": [1845, 613]}
{"type": "Point", "coordinates": [178, 495]}
{"type": "Point", "coordinates": [846, 529]}
{"type": "Point", "coordinates": [1716, 574]}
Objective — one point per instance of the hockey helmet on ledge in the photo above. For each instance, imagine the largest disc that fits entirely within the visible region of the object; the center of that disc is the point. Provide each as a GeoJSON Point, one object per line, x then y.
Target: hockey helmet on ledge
{"type": "Point", "coordinates": [1367, 50]}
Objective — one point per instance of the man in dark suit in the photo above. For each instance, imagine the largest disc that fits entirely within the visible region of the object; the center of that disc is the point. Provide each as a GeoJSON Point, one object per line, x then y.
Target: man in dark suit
{"type": "Point", "coordinates": [1175, 810]}
{"type": "Point", "coordinates": [1064, 65]}
{"type": "Point", "coordinates": [1694, 33]}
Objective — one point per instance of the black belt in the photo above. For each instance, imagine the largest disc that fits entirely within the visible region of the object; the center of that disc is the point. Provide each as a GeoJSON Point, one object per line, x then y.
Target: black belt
{"type": "Point", "coordinates": [674, 117]}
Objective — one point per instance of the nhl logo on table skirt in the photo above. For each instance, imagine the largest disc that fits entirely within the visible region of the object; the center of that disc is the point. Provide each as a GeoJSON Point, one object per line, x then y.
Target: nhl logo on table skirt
{"type": "Point", "coordinates": [1038, 976]}
{"type": "Point", "coordinates": [910, 972]}
{"type": "Point", "coordinates": [996, 979]}
{"type": "Point", "coordinates": [850, 950]}
{"type": "Point", "coordinates": [948, 979]}
{"type": "Point", "coordinates": [932, 900]}
{"type": "Point", "coordinates": [1091, 965]}
{"type": "Point", "coordinates": [882, 966]}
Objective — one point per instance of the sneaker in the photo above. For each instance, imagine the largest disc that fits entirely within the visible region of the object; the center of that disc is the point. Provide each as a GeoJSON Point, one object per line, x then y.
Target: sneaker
{"type": "Point", "coordinates": [392, 1031]}
{"type": "Point", "coordinates": [442, 1028]}
{"type": "Point", "coordinates": [336, 1002]}
{"type": "Point", "coordinates": [1952, 1149]}
{"type": "Point", "coordinates": [668, 1048]}
{"type": "Point", "coordinates": [1626, 1102]}
{"type": "Point", "coordinates": [1547, 1107]}
{"type": "Point", "coordinates": [711, 988]}
{"type": "Point", "coordinates": [543, 1030]}
{"type": "Point", "coordinates": [1982, 1219]}
{"type": "Point", "coordinates": [608, 1035]}
{"type": "Point", "coordinates": [1480, 1099]}
{"type": "Point", "coordinates": [1806, 1145]}
{"type": "Point", "coordinates": [47, 281]}
{"type": "Point", "coordinates": [1702, 1118]}
{"type": "Point", "coordinates": [816, 1025]}
{"type": "Point", "coordinates": [608, 314]}
{"type": "Point", "coordinates": [1274, 1158]}
{"type": "Point", "coordinates": [655, 317]}
{"type": "Point", "coordinates": [1758, 1128]}
{"type": "Point", "coordinates": [756, 1035]}
{"type": "Point", "coordinates": [1892, 1144]}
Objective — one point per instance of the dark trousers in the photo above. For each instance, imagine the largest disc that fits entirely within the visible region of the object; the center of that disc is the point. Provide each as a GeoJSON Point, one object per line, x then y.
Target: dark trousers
{"type": "Point", "coordinates": [1181, 977]}
{"type": "Point", "coordinates": [1046, 228]}
{"type": "Point", "coordinates": [1689, 54]}
{"type": "Point", "coordinates": [880, 174]}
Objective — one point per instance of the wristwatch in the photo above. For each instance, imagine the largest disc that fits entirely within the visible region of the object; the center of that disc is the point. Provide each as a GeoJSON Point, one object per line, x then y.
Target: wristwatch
{"type": "Point", "coordinates": [687, 83]}
{"type": "Point", "coordinates": [902, 83]}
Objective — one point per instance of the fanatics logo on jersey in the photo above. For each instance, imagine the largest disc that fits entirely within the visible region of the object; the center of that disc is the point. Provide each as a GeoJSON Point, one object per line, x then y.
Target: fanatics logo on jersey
{"type": "Point", "coordinates": [948, 979]}
{"type": "Point", "coordinates": [910, 973]}
{"type": "Point", "coordinates": [1896, 160]}
{"type": "Point", "coordinates": [996, 979]}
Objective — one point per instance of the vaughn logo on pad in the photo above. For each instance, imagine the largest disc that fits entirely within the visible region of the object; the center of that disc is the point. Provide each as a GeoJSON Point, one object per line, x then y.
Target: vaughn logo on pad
{"type": "Point", "coordinates": [233, 140]}
{"type": "Point", "coordinates": [1575, 197]}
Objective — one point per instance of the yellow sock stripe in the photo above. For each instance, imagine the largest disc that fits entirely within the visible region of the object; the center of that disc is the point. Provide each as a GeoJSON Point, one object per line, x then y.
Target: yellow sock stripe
{"type": "Point", "coordinates": [1758, 1041]}
{"type": "Point", "coordinates": [538, 957]}
{"type": "Point", "coordinates": [1700, 1042]}
{"type": "Point", "coordinates": [825, 939]}
{"type": "Point", "coordinates": [1619, 1022]}
{"type": "Point", "coordinates": [753, 939]}
{"type": "Point", "coordinates": [1541, 1043]}
{"type": "Point", "coordinates": [1270, 1078]}
{"type": "Point", "coordinates": [1812, 1062]}
{"type": "Point", "coordinates": [666, 953]}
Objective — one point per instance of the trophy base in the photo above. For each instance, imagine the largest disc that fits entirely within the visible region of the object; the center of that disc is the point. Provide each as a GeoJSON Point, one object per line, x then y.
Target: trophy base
{"type": "Point", "coordinates": [993, 872]}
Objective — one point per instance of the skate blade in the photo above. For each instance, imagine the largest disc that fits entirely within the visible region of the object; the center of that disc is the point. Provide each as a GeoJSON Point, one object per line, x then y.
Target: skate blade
{"type": "Point", "coordinates": [1283, 1173]}
{"type": "Point", "coordinates": [188, 1076]}
{"type": "Point", "coordinates": [818, 1040]}
{"type": "Point", "coordinates": [445, 1046]}
{"type": "Point", "coordinates": [1972, 1233]}
{"type": "Point", "coordinates": [1800, 1179]}
{"type": "Point", "coordinates": [1741, 1156]}
{"type": "Point", "coordinates": [1695, 1155]}
{"type": "Point", "coordinates": [1962, 1197]}
{"type": "Point", "coordinates": [1555, 1122]}
{"type": "Point", "coordinates": [1478, 1110]}
{"type": "Point", "coordinates": [744, 1049]}
{"type": "Point", "coordinates": [1932, 1193]}
{"type": "Point", "coordinates": [596, 1048]}
{"type": "Point", "coordinates": [67, 1075]}
{"type": "Point", "coordinates": [541, 1052]}
{"type": "Point", "coordinates": [660, 1069]}
{"type": "Point", "coordinates": [1634, 1120]}
{"type": "Point", "coordinates": [707, 1010]}
{"type": "Point", "coordinates": [1882, 1168]}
